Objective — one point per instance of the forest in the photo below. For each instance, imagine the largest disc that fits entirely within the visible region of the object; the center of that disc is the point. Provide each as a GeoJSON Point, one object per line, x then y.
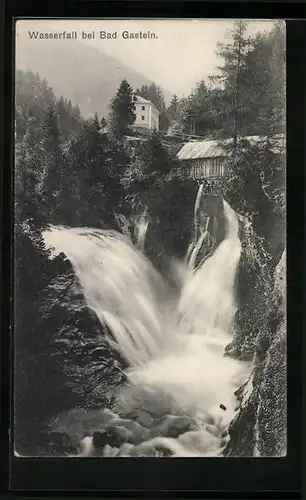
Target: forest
{"type": "Point", "coordinates": [76, 172]}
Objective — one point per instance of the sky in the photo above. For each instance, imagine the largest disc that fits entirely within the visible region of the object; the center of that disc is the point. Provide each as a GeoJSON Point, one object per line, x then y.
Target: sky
{"type": "Point", "coordinates": [183, 52]}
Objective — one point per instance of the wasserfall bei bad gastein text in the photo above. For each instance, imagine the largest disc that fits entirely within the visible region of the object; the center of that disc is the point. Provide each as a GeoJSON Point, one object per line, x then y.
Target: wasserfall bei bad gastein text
{"type": "Point", "coordinates": [92, 35]}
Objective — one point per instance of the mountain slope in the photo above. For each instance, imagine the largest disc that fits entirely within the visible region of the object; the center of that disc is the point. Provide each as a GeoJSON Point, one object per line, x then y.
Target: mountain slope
{"type": "Point", "coordinates": [78, 72]}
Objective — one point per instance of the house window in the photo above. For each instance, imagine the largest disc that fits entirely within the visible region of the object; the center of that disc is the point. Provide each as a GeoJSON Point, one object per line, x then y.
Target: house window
{"type": "Point", "coordinates": [142, 117]}
{"type": "Point", "coordinates": [143, 108]}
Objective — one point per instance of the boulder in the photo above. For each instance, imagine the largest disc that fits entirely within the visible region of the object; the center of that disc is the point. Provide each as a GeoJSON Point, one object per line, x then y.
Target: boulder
{"type": "Point", "coordinates": [60, 443]}
{"type": "Point", "coordinates": [173, 426]}
{"type": "Point", "coordinates": [133, 431]}
{"type": "Point", "coordinates": [141, 417]}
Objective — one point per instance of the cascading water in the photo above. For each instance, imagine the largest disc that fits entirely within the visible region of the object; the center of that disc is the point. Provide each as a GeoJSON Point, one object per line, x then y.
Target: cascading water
{"type": "Point", "coordinates": [200, 232]}
{"type": "Point", "coordinates": [174, 346]}
{"type": "Point", "coordinates": [140, 231]}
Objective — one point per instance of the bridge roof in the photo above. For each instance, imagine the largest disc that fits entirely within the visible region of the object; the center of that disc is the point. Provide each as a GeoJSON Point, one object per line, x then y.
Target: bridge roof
{"type": "Point", "coordinates": [216, 149]}
{"type": "Point", "coordinates": [200, 149]}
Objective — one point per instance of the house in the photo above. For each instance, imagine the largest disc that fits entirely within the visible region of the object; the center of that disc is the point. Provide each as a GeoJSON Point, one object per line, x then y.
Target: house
{"type": "Point", "coordinates": [205, 159]}
{"type": "Point", "coordinates": [147, 116]}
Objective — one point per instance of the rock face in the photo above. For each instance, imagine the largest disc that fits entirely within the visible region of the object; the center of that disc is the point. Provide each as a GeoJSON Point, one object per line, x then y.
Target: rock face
{"type": "Point", "coordinates": [72, 365]}
{"type": "Point", "coordinates": [212, 206]}
{"type": "Point", "coordinates": [92, 369]}
{"type": "Point", "coordinates": [260, 427]}
{"type": "Point", "coordinates": [254, 284]}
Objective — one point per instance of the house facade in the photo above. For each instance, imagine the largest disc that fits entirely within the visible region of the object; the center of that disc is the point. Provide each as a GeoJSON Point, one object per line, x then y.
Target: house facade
{"type": "Point", "coordinates": [147, 116]}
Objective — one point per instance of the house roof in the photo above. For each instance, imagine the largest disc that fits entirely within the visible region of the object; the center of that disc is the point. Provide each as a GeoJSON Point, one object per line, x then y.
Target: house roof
{"type": "Point", "coordinates": [213, 149]}
{"type": "Point", "coordinates": [142, 100]}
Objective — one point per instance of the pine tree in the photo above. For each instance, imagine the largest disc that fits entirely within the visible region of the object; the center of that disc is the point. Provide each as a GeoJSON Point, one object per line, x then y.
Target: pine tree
{"type": "Point", "coordinates": [63, 118]}
{"type": "Point", "coordinates": [233, 78]}
{"type": "Point", "coordinates": [173, 109]}
{"type": "Point", "coordinates": [196, 111]}
{"type": "Point", "coordinates": [77, 112]}
{"type": "Point", "coordinates": [29, 160]}
{"type": "Point", "coordinates": [32, 96]}
{"type": "Point", "coordinates": [122, 114]}
{"type": "Point", "coordinates": [154, 157]}
{"type": "Point", "coordinates": [155, 94]}
{"type": "Point", "coordinates": [92, 187]}
{"type": "Point", "coordinates": [266, 83]}
{"type": "Point", "coordinates": [53, 169]}
{"type": "Point", "coordinates": [103, 122]}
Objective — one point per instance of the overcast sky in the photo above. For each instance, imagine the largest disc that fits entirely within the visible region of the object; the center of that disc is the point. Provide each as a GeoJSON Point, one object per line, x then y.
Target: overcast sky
{"type": "Point", "coordinates": [183, 53]}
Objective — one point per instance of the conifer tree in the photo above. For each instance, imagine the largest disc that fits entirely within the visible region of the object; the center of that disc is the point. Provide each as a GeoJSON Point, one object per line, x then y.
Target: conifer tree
{"type": "Point", "coordinates": [155, 94]}
{"type": "Point", "coordinates": [154, 157]}
{"type": "Point", "coordinates": [266, 81]}
{"type": "Point", "coordinates": [28, 178]}
{"type": "Point", "coordinates": [77, 112]}
{"type": "Point", "coordinates": [53, 159]}
{"type": "Point", "coordinates": [233, 78]}
{"type": "Point", "coordinates": [122, 114]}
{"type": "Point", "coordinates": [63, 118]}
{"type": "Point", "coordinates": [103, 122]}
{"type": "Point", "coordinates": [173, 109]}
{"type": "Point", "coordinates": [92, 183]}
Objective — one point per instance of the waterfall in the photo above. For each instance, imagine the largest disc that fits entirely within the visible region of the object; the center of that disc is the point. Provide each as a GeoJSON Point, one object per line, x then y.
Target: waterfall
{"type": "Point", "coordinates": [201, 233]}
{"type": "Point", "coordinates": [197, 245]}
{"type": "Point", "coordinates": [140, 229]}
{"type": "Point", "coordinates": [208, 297]}
{"type": "Point", "coordinates": [196, 208]}
{"type": "Point", "coordinates": [174, 346]}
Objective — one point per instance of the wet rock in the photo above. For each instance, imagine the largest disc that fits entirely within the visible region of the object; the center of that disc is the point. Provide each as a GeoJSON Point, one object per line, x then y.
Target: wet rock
{"type": "Point", "coordinates": [141, 417]}
{"type": "Point", "coordinates": [60, 443]}
{"type": "Point", "coordinates": [181, 425]}
{"type": "Point", "coordinates": [260, 428]}
{"type": "Point", "coordinates": [224, 442]}
{"type": "Point", "coordinates": [113, 436]}
{"type": "Point", "coordinates": [172, 426]}
{"type": "Point", "coordinates": [163, 451]}
{"type": "Point", "coordinates": [254, 282]}
{"type": "Point", "coordinates": [136, 433]}
{"type": "Point", "coordinates": [101, 439]}
{"type": "Point", "coordinates": [86, 359]}
{"type": "Point", "coordinates": [79, 422]}
{"type": "Point", "coordinates": [122, 435]}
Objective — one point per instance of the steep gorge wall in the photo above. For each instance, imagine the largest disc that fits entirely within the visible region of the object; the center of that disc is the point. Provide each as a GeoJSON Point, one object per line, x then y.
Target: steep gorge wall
{"type": "Point", "coordinates": [260, 428]}
{"type": "Point", "coordinates": [254, 285]}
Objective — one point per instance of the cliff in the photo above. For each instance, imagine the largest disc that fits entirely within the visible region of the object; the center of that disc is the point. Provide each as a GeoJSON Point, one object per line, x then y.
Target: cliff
{"type": "Point", "coordinates": [260, 426]}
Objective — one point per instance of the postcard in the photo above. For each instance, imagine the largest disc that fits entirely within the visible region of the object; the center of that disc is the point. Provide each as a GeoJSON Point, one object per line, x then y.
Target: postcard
{"type": "Point", "coordinates": [150, 238]}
